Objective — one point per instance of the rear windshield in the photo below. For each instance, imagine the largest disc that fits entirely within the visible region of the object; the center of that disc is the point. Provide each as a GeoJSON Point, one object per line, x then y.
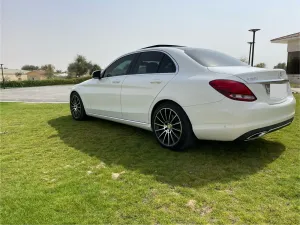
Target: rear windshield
{"type": "Point", "coordinates": [211, 58]}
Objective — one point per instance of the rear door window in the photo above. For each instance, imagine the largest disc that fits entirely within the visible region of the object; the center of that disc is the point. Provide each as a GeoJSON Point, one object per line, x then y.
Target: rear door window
{"type": "Point", "coordinates": [148, 62]}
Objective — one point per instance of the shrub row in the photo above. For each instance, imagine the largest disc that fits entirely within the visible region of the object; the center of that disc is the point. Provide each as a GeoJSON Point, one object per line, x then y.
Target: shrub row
{"type": "Point", "coordinates": [34, 83]}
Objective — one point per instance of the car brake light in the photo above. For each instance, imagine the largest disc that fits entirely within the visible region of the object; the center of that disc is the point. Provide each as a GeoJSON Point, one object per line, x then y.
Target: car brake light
{"type": "Point", "coordinates": [233, 89]}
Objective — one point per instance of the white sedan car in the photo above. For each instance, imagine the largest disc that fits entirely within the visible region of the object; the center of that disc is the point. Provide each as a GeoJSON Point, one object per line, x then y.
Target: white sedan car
{"type": "Point", "coordinates": [181, 93]}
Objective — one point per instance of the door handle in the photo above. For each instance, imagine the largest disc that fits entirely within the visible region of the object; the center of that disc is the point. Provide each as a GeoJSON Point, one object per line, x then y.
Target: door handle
{"type": "Point", "coordinates": [155, 82]}
{"type": "Point", "coordinates": [116, 81]}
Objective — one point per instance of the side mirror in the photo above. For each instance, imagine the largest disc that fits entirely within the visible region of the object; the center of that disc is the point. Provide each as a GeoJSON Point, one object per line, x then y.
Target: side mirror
{"type": "Point", "coordinates": [96, 74]}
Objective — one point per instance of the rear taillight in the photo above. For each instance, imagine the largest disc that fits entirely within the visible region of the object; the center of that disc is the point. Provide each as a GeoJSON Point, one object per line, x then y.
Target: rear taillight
{"type": "Point", "coordinates": [233, 89]}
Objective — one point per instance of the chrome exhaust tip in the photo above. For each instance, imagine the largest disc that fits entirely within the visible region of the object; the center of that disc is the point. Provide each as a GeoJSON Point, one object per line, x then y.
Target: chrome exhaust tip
{"type": "Point", "coordinates": [256, 136]}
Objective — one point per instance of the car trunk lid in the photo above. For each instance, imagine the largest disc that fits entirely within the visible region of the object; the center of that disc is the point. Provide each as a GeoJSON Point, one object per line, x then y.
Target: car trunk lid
{"type": "Point", "coordinates": [269, 85]}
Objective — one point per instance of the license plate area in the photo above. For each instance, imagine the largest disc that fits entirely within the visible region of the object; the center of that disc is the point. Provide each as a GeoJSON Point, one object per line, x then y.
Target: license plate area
{"type": "Point", "coordinates": [278, 91]}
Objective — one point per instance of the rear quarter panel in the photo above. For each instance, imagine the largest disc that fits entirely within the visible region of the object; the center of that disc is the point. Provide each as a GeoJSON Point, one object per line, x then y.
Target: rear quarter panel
{"type": "Point", "coordinates": [190, 90]}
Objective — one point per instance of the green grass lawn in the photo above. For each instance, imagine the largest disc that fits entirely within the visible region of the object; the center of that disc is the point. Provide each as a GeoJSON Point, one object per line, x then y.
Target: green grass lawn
{"type": "Point", "coordinates": [56, 170]}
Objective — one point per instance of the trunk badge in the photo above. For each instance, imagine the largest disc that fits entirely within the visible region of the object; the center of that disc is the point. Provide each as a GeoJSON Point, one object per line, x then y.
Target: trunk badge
{"type": "Point", "coordinates": [252, 78]}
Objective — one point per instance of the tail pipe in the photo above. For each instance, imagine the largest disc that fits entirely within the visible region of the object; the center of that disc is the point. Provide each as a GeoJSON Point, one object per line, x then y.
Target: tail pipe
{"type": "Point", "coordinates": [256, 136]}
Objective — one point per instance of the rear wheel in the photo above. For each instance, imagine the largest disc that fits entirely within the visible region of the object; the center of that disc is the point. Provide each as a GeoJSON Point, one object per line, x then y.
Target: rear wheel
{"type": "Point", "coordinates": [172, 127]}
{"type": "Point", "coordinates": [76, 107]}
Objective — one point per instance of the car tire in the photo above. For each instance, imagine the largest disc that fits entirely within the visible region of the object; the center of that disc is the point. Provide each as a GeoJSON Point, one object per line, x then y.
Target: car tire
{"type": "Point", "coordinates": [172, 127]}
{"type": "Point", "coordinates": [77, 107]}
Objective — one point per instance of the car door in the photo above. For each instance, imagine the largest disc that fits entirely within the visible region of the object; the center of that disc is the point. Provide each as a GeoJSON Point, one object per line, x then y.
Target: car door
{"type": "Point", "coordinates": [151, 72]}
{"type": "Point", "coordinates": [103, 97]}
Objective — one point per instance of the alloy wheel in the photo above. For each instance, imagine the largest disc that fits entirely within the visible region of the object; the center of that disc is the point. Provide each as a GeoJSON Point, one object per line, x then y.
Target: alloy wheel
{"type": "Point", "coordinates": [76, 107]}
{"type": "Point", "coordinates": [167, 127]}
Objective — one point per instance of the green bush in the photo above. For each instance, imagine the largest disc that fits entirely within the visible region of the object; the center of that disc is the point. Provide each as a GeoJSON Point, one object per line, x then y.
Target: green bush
{"type": "Point", "coordinates": [35, 83]}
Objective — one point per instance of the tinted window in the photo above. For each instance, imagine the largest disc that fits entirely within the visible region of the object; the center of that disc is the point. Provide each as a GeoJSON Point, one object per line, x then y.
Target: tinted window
{"type": "Point", "coordinates": [148, 62]}
{"type": "Point", "coordinates": [167, 65]}
{"type": "Point", "coordinates": [211, 58]}
{"type": "Point", "coordinates": [119, 67]}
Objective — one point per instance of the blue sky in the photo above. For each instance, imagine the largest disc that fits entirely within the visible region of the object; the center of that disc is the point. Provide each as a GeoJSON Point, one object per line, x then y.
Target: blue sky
{"type": "Point", "coordinates": [54, 31]}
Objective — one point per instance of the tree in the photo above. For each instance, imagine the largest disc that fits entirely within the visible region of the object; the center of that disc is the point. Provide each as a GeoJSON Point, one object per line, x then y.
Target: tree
{"type": "Point", "coordinates": [261, 65]}
{"type": "Point", "coordinates": [93, 67]}
{"type": "Point", "coordinates": [244, 59]}
{"type": "Point", "coordinates": [280, 66]}
{"type": "Point", "coordinates": [30, 67]}
{"type": "Point", "coordinates": [81, 66]}
{"type": "Point", "coordinates": [49, 69]}
{"type": "Point", "coordinates": [58, 71]}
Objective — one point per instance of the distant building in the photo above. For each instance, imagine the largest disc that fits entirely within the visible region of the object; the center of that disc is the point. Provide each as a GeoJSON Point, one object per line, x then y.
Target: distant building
{"type": "Point", "coordinates": [61, 75]}
{"type": "Point", "coordinates": [37, 75]}
{"type": "Point", "coordinates": [14, 74]}
{"type": "Point", "coordinates": [293, 60]}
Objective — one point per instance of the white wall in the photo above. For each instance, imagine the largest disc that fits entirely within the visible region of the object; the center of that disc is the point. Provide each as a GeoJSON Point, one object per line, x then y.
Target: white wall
{"type": "Point", "coordinates": [293, 46]}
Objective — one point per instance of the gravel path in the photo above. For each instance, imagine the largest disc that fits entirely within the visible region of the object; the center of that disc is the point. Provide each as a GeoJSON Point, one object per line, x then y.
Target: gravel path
{"type": "Point", "coordinates": [52, 94]}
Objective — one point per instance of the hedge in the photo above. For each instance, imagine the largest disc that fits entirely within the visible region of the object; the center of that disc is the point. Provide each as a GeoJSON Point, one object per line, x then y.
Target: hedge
{"type": "Point", "coordinates": [34, 83]}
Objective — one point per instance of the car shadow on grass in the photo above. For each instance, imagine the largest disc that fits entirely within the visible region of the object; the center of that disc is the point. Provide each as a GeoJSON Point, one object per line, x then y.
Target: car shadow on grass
{"type": "Point", "coordinates": [136, 149]}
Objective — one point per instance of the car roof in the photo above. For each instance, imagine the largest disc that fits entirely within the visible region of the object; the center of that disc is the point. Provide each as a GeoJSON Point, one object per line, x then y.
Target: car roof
{"type": "Point", "coordinates": [171, 47]}
{"type": "Point", "coordinates": [176, 52]}
{"type": "Point", "coordinates": [163, 45]}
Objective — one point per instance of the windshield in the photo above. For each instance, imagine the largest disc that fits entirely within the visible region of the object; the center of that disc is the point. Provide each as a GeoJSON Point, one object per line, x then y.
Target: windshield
{"type": "Point", "coordinates": [211, 58]}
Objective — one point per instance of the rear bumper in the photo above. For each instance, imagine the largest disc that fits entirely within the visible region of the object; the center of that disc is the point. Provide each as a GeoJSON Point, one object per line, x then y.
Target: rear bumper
{"type": "Point", "coordinates": [228, 120]}
{"type": "Point", "coordinates": [254, 134]}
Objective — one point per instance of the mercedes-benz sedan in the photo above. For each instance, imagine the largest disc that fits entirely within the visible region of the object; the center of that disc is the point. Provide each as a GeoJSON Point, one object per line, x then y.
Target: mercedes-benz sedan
{"type": "Point", "coordinates": [182, 93]}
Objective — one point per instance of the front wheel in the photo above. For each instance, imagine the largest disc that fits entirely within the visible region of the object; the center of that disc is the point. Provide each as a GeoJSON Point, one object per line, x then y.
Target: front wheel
{"type": "Point", "coordinates": [172, 127]}
{"type": "Point", "coordinates": [76, 107]}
